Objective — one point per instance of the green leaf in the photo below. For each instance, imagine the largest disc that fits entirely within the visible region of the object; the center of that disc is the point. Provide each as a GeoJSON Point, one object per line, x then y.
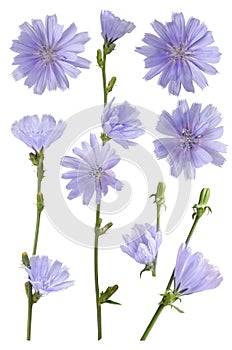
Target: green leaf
{"type": "Point", "coordinates": [112, 302]}
{"type": "Point", "coordinates": [104, 296]}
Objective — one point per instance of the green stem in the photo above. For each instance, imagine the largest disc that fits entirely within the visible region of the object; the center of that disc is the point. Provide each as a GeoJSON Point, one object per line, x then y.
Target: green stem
{"type": "Point", "coordinates": [197, 218]}
{"type": "Point", "coordinates": [158, 217]}
{"type": "Point", "coordinates": [40, 206]}
{"type": "Point", "coordinates": [104, 76]}
{"type": "Point", "coordinates": [98, 305]}
{"type": "Point", "coordinates": [152, 322]}
{"type": "Point", "coordinates": [29, 312]}
{"type": "Point", "coordinates": [162, 305]}
{"type": "Point", "coordinates": [36, 232]}
{"type": "Point", "coordinates": [40, 174]}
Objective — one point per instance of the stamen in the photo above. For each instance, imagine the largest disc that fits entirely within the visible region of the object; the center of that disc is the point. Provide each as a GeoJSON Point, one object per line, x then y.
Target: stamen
{"type": "Point", "coordinates": [179, 53]}
{"type": "Point", "coordinates": [47, 54]}
{"type": "Point", "coordinates": [96, 172]}
{"type": "Point", "coordinates": [188, 140]}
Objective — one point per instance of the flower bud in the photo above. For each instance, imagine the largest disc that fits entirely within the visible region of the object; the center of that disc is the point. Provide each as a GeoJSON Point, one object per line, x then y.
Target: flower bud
{"type": "Point", "coordinates": [106, 227]}
{"type": "Point", "coordinates": [40, 201]}
{"type": "Point", "coordinates": [99, 58]}
{"type": "Point", "coordinates": [159, 195]}
{"type": "Point", "coordinates": [111, 84]}
{"type": "Point", "coordinates": [104, 296]}
{"type": "Point", "coordinates": [200, 208]}
{"type": "Point", "coordinates": [204, 196]}
{"type": "Point", "coordinates": [25, 260]}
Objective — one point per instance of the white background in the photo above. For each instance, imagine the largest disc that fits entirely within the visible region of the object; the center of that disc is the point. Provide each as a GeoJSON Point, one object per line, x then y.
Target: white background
{"type": "Point", "coordinates": [67, 319]}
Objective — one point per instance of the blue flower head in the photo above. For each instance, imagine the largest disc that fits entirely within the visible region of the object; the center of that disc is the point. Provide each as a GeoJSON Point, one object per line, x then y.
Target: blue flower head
{"type": "Point", "coordinates": [121, 124]}
{"type": "Point", "coordinates": [36, 133]}
{"type": "Point", "coordinates": [193, 273]}
{"type": "Point", "coordinates": [46, 54]}
{"type": "Point", "coordinates": [113, 27]}
{"type": "Point", "coordinates": [47, 276]}
{"type": "Point", "coordinates": [91, 170]}
{"type": "Point", "coordinates": [143, 244]}
{"type": "Point", "coordinates": [180, 52]}
{"type": "Point", "coordinates": [191, 138]}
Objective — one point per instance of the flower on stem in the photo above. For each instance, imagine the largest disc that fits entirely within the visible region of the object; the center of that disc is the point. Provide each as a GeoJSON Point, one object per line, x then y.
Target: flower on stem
{"type": "Point", "coordinates": [120, 123]}
{"type": "Point", "coordinates": [193, 273]}
{"type": "Point", "coordinates": [46, 275]}
{"type": "Point", "coordinates": [192, 138]}
{"type": "Point", "coordinates": [143, 245]}
{"type": "Point", "coordinates": [38, 134]}
{"type": "Point", "coordinates": [46, 54]}
{"type": "Point", "coordinates": [91, 170]}
{"type": "Point", "coordinates": [180, 52]}
{"type": "Point", "coordinates": [113, 27]}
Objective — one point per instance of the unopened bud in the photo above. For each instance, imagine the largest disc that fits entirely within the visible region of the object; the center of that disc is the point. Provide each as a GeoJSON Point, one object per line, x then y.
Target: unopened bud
{"type": "Point", "coordinates": [201, 207]}
{"type": "Point", "coordinates": [25, 259]}
{"type": "Point", "coordinates": [159, 195]}
{"type": "Point", "coordinates": [40, 201]}
{"type": "Point", "coordinates": [111, 84]}
{"type": "Point", "coordinates": [204, 196]}
{"type": "Point", "coordinates": [106, 227]}
{"type": "Point", "coordinates": [99, 58]}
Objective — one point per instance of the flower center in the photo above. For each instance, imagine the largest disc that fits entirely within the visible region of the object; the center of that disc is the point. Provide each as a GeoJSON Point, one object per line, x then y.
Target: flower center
{"type": "Point", "coordinates": [179, 53]}
{"type": "Point", "coordinates": [47, 54]}
{"type": "Point", "coordinates": [96, 172]}
{"type": "Point", "coordinates": [188, 140]}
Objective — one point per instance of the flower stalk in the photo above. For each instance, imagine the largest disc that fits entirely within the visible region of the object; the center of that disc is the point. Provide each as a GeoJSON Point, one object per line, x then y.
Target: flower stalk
{"type": "Point", "coordinates": [101, 60]}
{"type": "Point", "coordinates": [97, 294]}
{"type": "Point", "coordinates": [201, 208]}
{"type": "Point", "coordinates": [37, 159]}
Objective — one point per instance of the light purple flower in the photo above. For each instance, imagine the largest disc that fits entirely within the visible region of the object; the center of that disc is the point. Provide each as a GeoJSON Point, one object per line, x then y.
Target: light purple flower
{"type": "Point", "coordinates": [113, 27]}
{"type": "Point", "coordinates": [46, 275]}
{"type": "Point", "coordinates": [193, 273]}
{"type": "Point", "coordinates": [191, 143]}
{"type": "Point", "coordinates": [91, 170]}
{"type": "Point", "coordinates": [180, 52]}
{"type": "Point", "coordinates": [143, 244]}
{"type": "Point", "coordinates": [121, 124]}
{"type": "Point", "coordinates": [46, 54]}
{"type": "Point", "coordinates": [37, 133]}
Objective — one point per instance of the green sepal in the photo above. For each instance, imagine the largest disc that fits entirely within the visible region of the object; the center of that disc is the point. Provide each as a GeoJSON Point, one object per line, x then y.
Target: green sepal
{"type": "Point", "coordinates": [169, 298]}
{"type": "Point", "coordinates": [104, 296]}
{"type": "Point", "coordinates": [105, 138]}
{"type": "Point", "coordinates": [177, 308]}
{"type": "Point", "coordinates": [34, 158]}
{"type": "Point", "coordinates": [150, 267]}
{"type": "Point", "coordinates": [108, 47]}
